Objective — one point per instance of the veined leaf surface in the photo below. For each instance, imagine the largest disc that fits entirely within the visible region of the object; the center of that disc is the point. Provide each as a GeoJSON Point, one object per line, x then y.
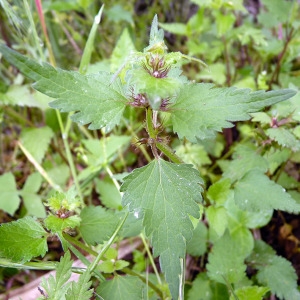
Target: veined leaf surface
{"type": "Point", "coordinates": [93, 99]}
{"type": "Point", "coordinates": [201, 108]}
{"type": "Point", "coordinates": [164, 195]}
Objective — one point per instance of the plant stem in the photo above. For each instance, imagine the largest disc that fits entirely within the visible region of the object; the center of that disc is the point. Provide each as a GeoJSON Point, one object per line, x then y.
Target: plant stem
{"type": "Point", "coordinates": [169, 152]}
{"type": "Point", "coordinates": [280, 58]}
{"type": "Point", "coordinates": [94, 264]}
{"type": "Point", "coordinates": [39, 168]}
{"type": "Point", "coordinates": [141, 147]}
{"type": "Point", "coordinates": [150, 257]}
{"type": "Point", "coordinates": [149, 124]}
{"type": "Point", "coordinates": [80, 245]}
{"type": "Point", "coordinates": [64, 133]}
{"type": "Point", "coordinates": [69, 155]}
{"type": "Point", "coordinates": [39, 7]}
{"type": "Point", "coordinates": [149, 283]}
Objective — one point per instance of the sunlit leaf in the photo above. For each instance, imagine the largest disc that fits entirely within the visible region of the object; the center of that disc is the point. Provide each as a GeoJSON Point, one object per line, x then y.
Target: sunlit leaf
{"type": "Point", "coordinates": [22, 240]}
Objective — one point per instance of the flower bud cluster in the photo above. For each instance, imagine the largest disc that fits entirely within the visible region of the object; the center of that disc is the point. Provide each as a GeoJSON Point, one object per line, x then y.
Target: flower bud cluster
{"type": "Point", "coordinates": [156, 66]}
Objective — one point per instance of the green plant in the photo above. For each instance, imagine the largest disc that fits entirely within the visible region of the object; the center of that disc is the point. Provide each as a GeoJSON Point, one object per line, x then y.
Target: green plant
{"type": "Point", "coordinates": [164, 198]}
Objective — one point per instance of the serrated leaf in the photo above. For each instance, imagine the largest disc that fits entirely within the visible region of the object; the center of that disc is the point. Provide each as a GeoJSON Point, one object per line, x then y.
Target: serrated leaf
{"type": "Point", "coordinates": [9, 195]}
{"type": "Point", "coordinates": [121, 288]}
{"type": "Point", "coordinates": [164, 195]}
{"type": "Point", "coordinates": [193, 154]}
{"type": "Point", "coordinates": [255, 191]}
{"type": "Point", "coordinates": [276, 157]}
{"type": "Point", "coordinates": [245, 158]}
{"type": "Point", "coordinates": [225, 265]}
{"type": "Point", "coordinates": [90, 96]}
{"type": "Point", "coordinates": [81, 289]}
{"type": "Point", "coordinates": [250, 293]}
{"type": "Point", "coordinates": [261, 117]}
{"type": "Point", "coordinates": [36, 141]}
{"type": "Point", "coordinates": [244, 218]}
{"type": "Point", "coordinates": [200, 109]}
{"type": "Point", "coordinates": [57, 225]}
{"type": "Point", "coordinates": [205, 289]}
{"type": "Point", "coordinates": [57, 287]}
{"type": "Point", "coordinates": [274, 271]}
{"type": "Point", "coordinates": [196, 246]}
{"type": "Point", "coordinates": [102, 152]}
{"type": "Point", "coordinates": [284, 138]}
{"type": "Point", "coordinates": [123, 49]}
{"type": "Point", "coordinates": [22, 240]}
{"type": "Point", "coordinates": [67, 201]}
{"type": "Point", "coordinates": [110, 195]}
{"type": "Point", "coordinates": [92, 220]}
{"type": "Point", "coordinates": [281, 277]}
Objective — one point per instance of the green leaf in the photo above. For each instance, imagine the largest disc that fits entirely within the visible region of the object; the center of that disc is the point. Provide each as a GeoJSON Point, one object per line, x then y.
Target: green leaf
{"type": "Point", "coordinates": [9, 195]}
{"type": "Point", "coordinates": [219, 191]}
{"type": "Point", "coordinates": [284, 138]}
{"type": "Point", "coordinates": [277, 12]}
{"type": "Point", "coordinates": [196, 246]}
{"type": "Point", "coordinates": [217, 219]}
{"type": "Point", "coordinates": [255, 191]}
{"type": "Point", "coordinates": [57, 225]}
{"type": "Point", "coordinates": [121, 288]}
{"type": "Point", "coordinates": [23, 239]}
{"type": "Point", "coordinates": [107, 267]}
{"type": "Point", "coordinates": [224, 22]}
{"type": "Point", "coordinates": [123, 49]}
{"type": "Point", "coordinates": [245, 158]}
{"type": "Point", "coordinates": [176, 28]}
{"type": "Point", "coordinates": [164, 195]}
{"type": "Point", "coordinates": [64, 202]}
{"type": "Point", "coordinates": [32, 201]}
{"type": "Point", "coordinates": [91, 96]}
{"type": "Point", "coordinates": [36, 141]}
{"type": "Point", "coordinates": [112, 266]}
{"type": "Point", "coordinates": [250, 293]}
{"type": "Point", "coordinates": [261, 117]}
{"type": "Point", "coordinates": [193, 154]}
{"type": "Point", "coordinates": [92, 220]}
{"type": "Point", "coordinates": [244, 218]}
{"type": "Point", "coordinates": [200, 109]}
{"type": "Point", "coordinates": [276, 157]}
{"type": "Point", "coordinates": [225, 262]}
{"type": "Point", "coordinates": [81, 289]}
{"type": "Point", "coordinates": [22, 95]}
{"type": "Point", "coordinates": [156, 39]}
{"type": "Point", "coordinates": [274, 271]}
{"type": "Point", "coordinates": [102, 152]}
{"type": "Point", "coordinates": [109, 194]}
{"type": "Point", "coordinates": [57, 287]}
{"type": "Point", "coordinates": [205, 289]}
{"type": "Point", "coordinates": [117, 13]}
